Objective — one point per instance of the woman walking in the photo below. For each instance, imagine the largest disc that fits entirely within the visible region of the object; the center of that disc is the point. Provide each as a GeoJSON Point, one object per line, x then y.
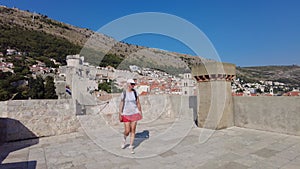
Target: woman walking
{"type": "Point", "coordinates": [130, 112]}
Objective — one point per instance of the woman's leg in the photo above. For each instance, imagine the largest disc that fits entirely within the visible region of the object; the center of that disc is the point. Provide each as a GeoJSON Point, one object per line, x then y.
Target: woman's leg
{"type": "Point", "coordinates": [126, 129]}
{"type": "Point", "coordinates": [132, 135]}
{"type": "Point", "coordinates": [132, 132]}
{"type": "Point", "coordinates": [126, 133]}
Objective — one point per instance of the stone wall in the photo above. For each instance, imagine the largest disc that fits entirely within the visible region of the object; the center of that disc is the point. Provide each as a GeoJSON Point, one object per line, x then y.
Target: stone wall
{"type": "Point", "coordinates": [39, 118]}
{"type": "Point", "coordinates": [153, 106]}
{"type": "Point", "coordinates": [24, 119]}
{"type": "Point", "coordinates": [277, 114]}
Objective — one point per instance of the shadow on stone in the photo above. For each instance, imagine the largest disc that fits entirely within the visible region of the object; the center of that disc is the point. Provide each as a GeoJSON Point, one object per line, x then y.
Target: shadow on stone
{"type": "Point", "coordinates": [140, 137]}
{"type": "Point", "coordinates": [15, 136]}
{"type": "Point", "coordinates": [26, 164]}
{"type": "Point", "coordinates": [193, 105]}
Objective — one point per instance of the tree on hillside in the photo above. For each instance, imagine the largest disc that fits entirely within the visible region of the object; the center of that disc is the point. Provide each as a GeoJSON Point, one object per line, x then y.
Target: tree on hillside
{"type": "Point", "coordinates": [111, 60]}
{"type": "Point", "coordinates": [50, 88]}
{"type": "Point", "coordinates": [109, 87]}
{"type": "Point", "coordinates": [36, 43]}
{"type": "Point", "coordinates": [4, 95]}
{"type": "Point", "coordinates": [37, 89]}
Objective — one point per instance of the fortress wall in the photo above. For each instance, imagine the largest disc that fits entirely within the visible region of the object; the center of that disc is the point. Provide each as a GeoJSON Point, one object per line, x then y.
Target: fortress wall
{"type": "Point", "coordinates": [276, 114]}
{"type": "Point", "coordinates": [153, 107]}
{"type": "Point", "coordinates": [24, 119]}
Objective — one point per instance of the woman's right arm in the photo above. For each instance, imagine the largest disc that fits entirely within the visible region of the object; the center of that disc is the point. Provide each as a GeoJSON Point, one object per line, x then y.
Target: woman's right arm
{"type": "Point", "coordinates": [121, 106]}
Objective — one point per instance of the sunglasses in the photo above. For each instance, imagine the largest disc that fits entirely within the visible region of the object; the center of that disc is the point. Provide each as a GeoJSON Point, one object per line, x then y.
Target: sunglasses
{"type": "Point", "coordinates": [132, 84]}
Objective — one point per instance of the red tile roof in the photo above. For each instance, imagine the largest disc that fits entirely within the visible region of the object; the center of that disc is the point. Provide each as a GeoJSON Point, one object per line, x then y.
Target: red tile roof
{"type": "Point", "coordinates": [292, 93]}
{"type": "Point", "coordinates": [237, 94]}
{"type": "Point", "coordinates": [144, 93]}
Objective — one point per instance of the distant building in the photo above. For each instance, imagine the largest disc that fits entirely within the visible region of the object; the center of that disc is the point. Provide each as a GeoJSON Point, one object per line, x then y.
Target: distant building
{"type": "Point", "coordinates": [271, 91]}
{"type": "Point", "coordinates": [38, 69]}
{"type": "Point", "coordinates": [134, 68]}
{"type": "Point", "coordinates": [80, 79]}
{"type": "Point", "coordinates": [74, 60]}
{"type": "Point", "coordinates": [143, 89]}
{"type": "Point", "coordinates": [188, 85]}
{"type": "Point", "coordinates": [11, 51]}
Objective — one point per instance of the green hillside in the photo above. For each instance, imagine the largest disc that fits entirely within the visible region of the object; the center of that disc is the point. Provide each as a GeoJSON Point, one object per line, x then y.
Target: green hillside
{"type": "Point", "coordinates": [286, 74]}
{"type": "Point", "coordinates": [35, 43]}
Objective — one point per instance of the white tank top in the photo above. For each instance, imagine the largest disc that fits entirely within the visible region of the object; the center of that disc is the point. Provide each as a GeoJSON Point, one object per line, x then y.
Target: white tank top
{"type": "Point", "coordinates": [130, 105]}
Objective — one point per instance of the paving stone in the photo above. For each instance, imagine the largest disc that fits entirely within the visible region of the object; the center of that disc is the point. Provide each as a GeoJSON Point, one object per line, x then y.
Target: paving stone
{"type": "Point", "coordinates": [63, 165]}
{"type": "Point", "coordinates": [212, 164]}
{"type": "Point", "coordinates": [228, 157]}
{"type": "Point", "coordinates": [262, 165]}
{"type": "Point", "coordinates": [266, 153]}
{"type": "Point", "coordinates": [277, 161]}
{"type": "Point", "coordinates": [153, 162]}
{"type": "Point", "coordinates": [234, 165]}
{"type": "Point", "coordinates": [248, 160]}
{"type": "Point", "coordinates": [168, 153]}
{"type": "Point", "coordinates": [278, 146]}
{"type": "Point", "coordinates": [288, 154]}
{"type": "Point", "coordinates": [16, 156]}
{"type": "Point", "coordinates": [229, 148]}
{"type": "Point", "coordinates": [296, 160]}
{"type": "Point", "coordinates": [290, 166]}
{"type": "Point", "coordinates": [40, 166]}
{"type": "Point", "coordinates": [79, 167]}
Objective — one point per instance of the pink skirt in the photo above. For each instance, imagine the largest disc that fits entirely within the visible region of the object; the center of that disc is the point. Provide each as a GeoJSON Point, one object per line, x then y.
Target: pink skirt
{"type": "Point", "coordinates": [131, 118]}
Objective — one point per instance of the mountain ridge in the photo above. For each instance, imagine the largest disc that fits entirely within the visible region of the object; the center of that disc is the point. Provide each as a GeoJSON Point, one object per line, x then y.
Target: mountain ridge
{"type": "Point", "coordinates": [82, 36]}
{"type": "Point", "coordinates": [129, 53]}
{"type": "Point", "coordinates": [289, 75]}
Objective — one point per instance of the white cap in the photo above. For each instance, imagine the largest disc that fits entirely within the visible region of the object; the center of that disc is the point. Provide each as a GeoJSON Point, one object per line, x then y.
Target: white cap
{"type": "Point", "coordinates": [130, 81]}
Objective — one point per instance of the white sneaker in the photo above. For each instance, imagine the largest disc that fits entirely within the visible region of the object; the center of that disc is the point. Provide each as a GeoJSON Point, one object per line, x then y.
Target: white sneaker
{"type": "Point", "coordinates": [123, 144]}
{"type": "Point", "coordinates": [131, 149]}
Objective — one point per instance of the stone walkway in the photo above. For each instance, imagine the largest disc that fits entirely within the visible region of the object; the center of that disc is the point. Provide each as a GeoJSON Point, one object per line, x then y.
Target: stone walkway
{"type": "Point", "coordinates": [160, 144]}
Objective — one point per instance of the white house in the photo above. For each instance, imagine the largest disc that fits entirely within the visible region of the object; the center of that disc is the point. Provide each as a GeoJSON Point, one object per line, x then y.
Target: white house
{"type": "Point", "coordinates": [11, 51]}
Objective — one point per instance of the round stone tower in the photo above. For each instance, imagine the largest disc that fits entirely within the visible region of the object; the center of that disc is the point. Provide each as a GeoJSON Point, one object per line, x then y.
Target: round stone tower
{"type": "Point", "coordinates": [215, 107]}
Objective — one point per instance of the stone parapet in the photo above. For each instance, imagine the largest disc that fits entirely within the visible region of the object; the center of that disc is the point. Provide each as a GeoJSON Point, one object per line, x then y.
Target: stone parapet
{"type": "Point", "coordinates": [24, 119]}
{"type": "Point", "coordinates": [277, 114]}
{"type": "Point", "coordinates": [153, 107]}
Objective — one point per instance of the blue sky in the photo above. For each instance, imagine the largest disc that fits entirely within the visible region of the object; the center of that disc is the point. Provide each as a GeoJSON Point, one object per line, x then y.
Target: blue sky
{"type": "Point", "coordinates": [244, 32]}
